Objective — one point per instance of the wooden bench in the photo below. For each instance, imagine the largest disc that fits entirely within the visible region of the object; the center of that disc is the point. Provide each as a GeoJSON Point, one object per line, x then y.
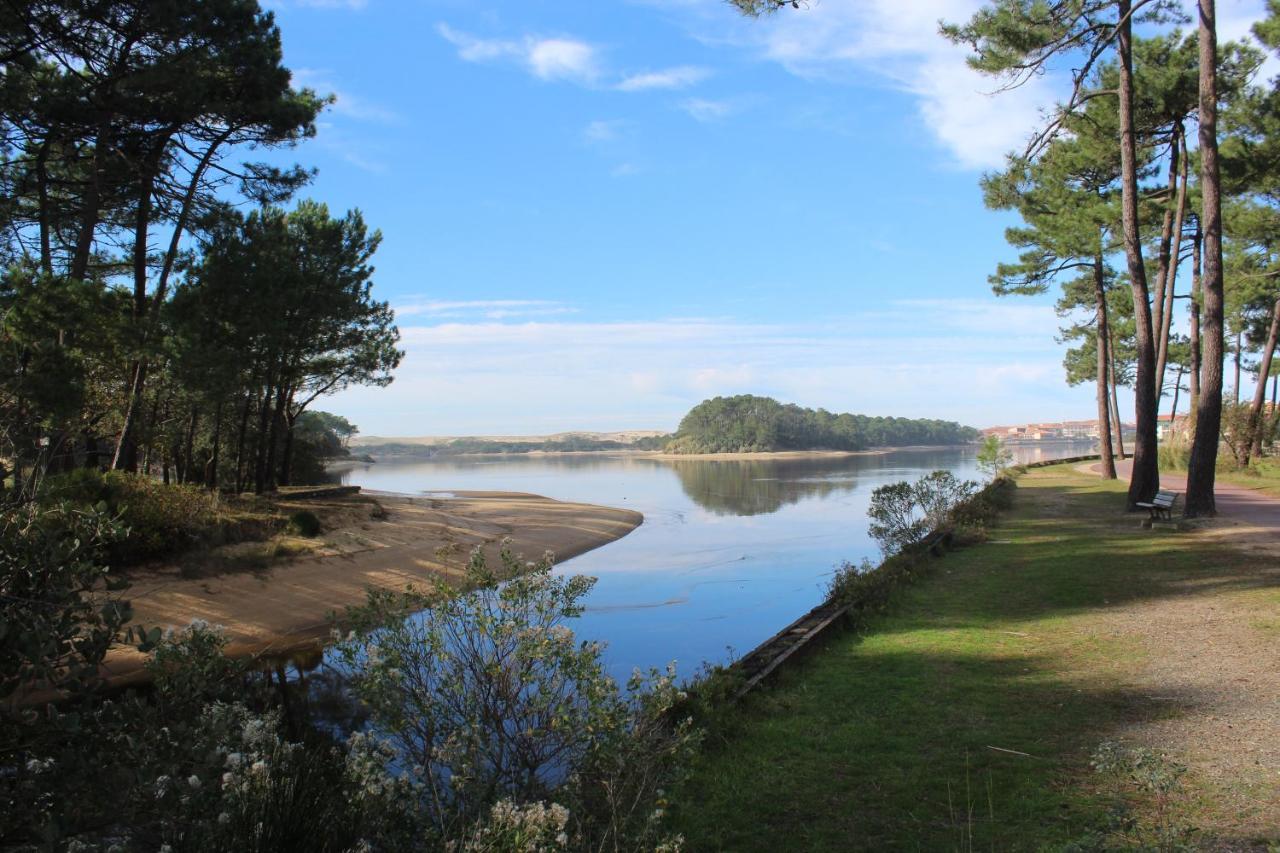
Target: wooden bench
{"type": "Point", "coordinates": [1161, 506]}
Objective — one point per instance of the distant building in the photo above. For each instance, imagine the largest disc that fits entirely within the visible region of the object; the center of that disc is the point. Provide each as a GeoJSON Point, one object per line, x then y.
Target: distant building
{"type": "Point", "coordinates": [1168, 426]}
{"type": "Point", "coordinates": [1060, 431]}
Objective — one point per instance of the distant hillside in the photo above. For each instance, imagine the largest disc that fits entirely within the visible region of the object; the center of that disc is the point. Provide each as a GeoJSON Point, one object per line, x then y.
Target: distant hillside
{"type": "Point", "coordinates": [621, 436]}
{"type": "Point", "coordinates": [567, 442]}
{"type": "Point", "coordinates": [750, 424]}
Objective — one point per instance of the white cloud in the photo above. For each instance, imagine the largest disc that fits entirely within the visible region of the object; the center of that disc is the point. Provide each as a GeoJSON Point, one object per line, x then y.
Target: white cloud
{"type": "Point", "coordinates": [489, 309]}
{"type": "Point", "coordinates": [545, 58]}
{"type": "Point", "coordinates": [345, 103]}
{"type": "Point", "coordinates": [706, 110]}
{"type": "Point", "coordinates": [353, 5]}
{"type": "Point", "coordinates": [892, 43]}
{"type": "Point", "coordinates": [679, 77]}
{"type": "Point", "coordinates": [897, 42]}
{"type": "Point", "coordinates": [603, 130]}
{"type": "Point", "coordinates": [975, 360]}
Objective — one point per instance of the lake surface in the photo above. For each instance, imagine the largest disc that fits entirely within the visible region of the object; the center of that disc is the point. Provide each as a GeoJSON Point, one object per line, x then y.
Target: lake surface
{"type": "Point", "coordinates": [730, 551]}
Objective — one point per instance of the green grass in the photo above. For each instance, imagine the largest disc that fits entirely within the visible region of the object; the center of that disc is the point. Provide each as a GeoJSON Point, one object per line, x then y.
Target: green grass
{"type": "Point", "coordinates": [888, 740]}
{"type": "Point", "coordinates": [1263, 475]}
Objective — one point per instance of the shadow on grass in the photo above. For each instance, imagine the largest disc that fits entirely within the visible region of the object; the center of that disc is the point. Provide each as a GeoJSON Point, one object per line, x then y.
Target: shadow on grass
{"type": "Point", "coordinates": [872, 747]}
{"type": "Point", "coordinates": [965, 716]}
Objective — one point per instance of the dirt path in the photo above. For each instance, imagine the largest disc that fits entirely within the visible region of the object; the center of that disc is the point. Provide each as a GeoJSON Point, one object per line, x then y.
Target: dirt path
{"type": "Point", "coordinates": [1239, 504]}
{"type": "Point", "coordinates": [287, 607]}
{"type": "Point", "coordinates": [1211, 650]}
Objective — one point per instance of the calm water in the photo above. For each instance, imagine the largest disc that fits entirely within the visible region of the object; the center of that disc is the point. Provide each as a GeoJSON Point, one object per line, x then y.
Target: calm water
{"type": "Point", "coordinates": [730, 551]}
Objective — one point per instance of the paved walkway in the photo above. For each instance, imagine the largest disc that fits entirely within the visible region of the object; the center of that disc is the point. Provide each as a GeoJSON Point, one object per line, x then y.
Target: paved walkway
{"type": "Point", "coordinates": [1237, 504]}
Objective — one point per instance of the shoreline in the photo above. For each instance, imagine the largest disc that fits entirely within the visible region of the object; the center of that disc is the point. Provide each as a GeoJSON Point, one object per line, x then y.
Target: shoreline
{"type": "Point", "coordinates": [286, 608]}
{"type": "Point", "coordinates": [661, 455]}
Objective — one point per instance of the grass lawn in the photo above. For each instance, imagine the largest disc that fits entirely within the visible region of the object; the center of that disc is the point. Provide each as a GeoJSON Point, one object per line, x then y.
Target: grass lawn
{"type": "Point", "coordinates": [965, 717]}
{"type": "Point", "coordinates": [1263, 475]}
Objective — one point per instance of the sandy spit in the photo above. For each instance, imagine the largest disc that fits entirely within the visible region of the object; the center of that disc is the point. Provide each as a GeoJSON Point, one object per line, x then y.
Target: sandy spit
{"type": "Point", "coordinates": [287, 607]}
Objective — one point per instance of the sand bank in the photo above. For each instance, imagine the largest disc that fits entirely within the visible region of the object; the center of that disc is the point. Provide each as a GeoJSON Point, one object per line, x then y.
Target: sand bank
{"type": "Point", "coordinates": [286, 607]}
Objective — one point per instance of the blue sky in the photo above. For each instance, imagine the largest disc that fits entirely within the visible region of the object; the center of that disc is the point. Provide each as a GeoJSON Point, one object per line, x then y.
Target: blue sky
{"type": "Point", "coordinates": [597, 212]}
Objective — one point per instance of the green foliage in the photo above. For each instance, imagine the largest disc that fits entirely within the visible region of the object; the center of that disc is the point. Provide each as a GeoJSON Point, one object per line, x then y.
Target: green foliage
{"type": "Point", "coordinates": [747, 423]}
{"type": "Point", "coordinates": [304, 523]}
{"type": "Point", "coordinates": [903, 514]}
{"type": "Point", "coordinates": [55, 627]}
{"type": "Point", "coordinates": [494, 709]}
{"type": "Point", "coordinates": [993, 456]}
{"type": "Point", "coordinates": [1143, 773]}
{"type": "Point", "coordinates": [159, 520]}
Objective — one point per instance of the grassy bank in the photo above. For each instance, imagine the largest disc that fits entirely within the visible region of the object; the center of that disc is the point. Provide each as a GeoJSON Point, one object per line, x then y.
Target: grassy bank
{"type": "Point", "coordinates": [1262, 474]}
{"type": "Point", "coordinates": [966, 717]}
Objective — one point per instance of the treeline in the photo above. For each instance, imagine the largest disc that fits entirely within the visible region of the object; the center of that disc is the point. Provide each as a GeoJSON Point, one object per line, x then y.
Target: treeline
{"type": "Point", "coordinates": [747, 423]}
{"type": "Point", "coordinates": [475, 446]}
{"type": "Point", "coordinates": [1149, 199]}
{"type": "Point", "coordinates": [147, 323]}
{"type": "Point", "coordinates": [1163, 153]}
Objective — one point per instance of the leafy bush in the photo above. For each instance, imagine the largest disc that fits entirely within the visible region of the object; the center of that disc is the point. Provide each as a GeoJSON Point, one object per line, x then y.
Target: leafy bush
{"type": "Point", "coordinates": [1142, 774]}
{"type": "Point", "coordinates": [993, 456]}
{"type": "Point", "coordinates": [159, 519]}
{"type": "Point", "coordinates": [902, 514]}
{"type": "Point", "coordinates": [304, 523]}
{"type": "Point", "coordinates": [499, 715]}
{"type": "Point", "coordinates": [55, 627]}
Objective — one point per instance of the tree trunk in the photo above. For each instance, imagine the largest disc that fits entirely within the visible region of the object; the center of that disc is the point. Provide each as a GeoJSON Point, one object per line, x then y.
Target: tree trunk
{"type": "Point", "coordinates": [211, 471]}
{"type": "Point", "coordinates": [1105, 449]}
{"type": "Point", "coordinates": [260, 457]}
{"type": "Point", "coordinates": [1202, 468]}
{"type": "Point", "coordinates": [1166, 239]}
{"type": "Point", "coordinates": [42, 182]}
{"type": "Point", "coordinates": [240, 442]}
{"type": "Point", "coordinates": [1146, 473]}
{"type": "Point", "coordinates": [286, 456]}
{"type": "Point", "coordinates": [1260, 392]}
{"type": "Point", "coordinates": [89, 213]}
{"type": "Point", "coordinates": [1177, 388]}
{"type": "Point", "coordinates": [1116, 421]}
{"type": "Point", "coordinates": [1194, 367]}
{"type": "Point", "coordinates": [1239, 351]}
{"type": "Point", "coordinates": [91, 459]}
{"type": "Point", "coordinates": [273, 438]}
{"type": "Point", "coordinates": [126, 455]}
{"type": "Point", "coordinates": [1169, 283]}
{"type": "Point", "coordinates": [188, 451]}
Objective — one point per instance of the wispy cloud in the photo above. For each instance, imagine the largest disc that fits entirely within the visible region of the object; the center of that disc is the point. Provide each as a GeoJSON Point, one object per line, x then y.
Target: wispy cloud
{"type": "Point", "coordinates": [975, 360]}
{"type": "Point", "coordinates": [345, 103]}
{"type": "Point", "coordinates": [893, 43]}
{"type": "Point", "coordinates": [603, 130]}
{"type": "Point", "coordinates": [489, 309]}
{"type": "Point", "coordinates": [707, 110]}
{"type": "Point", "coordinates": [560, 58]}
{"type": "Point", "coordinates": [680, 77]}
{"type": "Point", "coordinates": [353, 5]}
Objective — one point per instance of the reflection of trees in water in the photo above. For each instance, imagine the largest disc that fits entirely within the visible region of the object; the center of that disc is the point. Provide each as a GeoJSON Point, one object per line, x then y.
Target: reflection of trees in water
{"type": "Point", "coordinates": [759, 487]}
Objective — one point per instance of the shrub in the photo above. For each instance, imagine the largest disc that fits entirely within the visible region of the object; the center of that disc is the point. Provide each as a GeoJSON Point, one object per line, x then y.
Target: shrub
{"type": "Point", "coordinates": [159, 519]}
{"type": "Point", "coordinates": [902, 514]}
{"type": "Point", "coordinates": [502, 720]}
{"type": "Point", "coordinates": [54, 626]}
{"type": "Point", "coordinates": [1174, 455]}
{"type": "Point", "coordinates": [993, 457]}
{"type": "Point", "coordinates": [304, 523]}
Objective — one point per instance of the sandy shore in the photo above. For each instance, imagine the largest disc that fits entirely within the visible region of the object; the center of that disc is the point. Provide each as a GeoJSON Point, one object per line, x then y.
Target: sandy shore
{"type": "Point", "coordinates": [287, 607]}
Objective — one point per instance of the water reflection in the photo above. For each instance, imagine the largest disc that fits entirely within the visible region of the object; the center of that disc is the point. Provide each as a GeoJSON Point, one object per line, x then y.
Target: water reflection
{"type": "Point", "coordinates": [730, 550]}
{"type": "Point", "coordinates": [759, 487]}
